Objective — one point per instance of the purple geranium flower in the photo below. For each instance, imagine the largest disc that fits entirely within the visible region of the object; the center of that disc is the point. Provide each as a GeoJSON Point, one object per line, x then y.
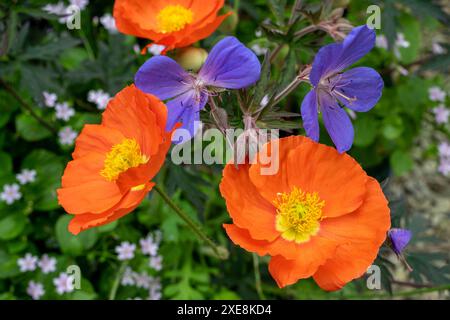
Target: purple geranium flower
{"type": "Point", "coordinates": [358, 89]}
{"type": "Point", "coordinates": [399, 239]}
{"type": "Point", "coordinates": [230, 65]}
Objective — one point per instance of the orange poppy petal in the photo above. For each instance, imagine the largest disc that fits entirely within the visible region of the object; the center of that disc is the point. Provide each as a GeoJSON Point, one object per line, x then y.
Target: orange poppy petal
{"type": "Point", "coordinates": [130, 113]}
{"type": "Point", "coordinates": [83, 170]}
{"type": "Point", "coordinates": [95, 196]}
{"type": "Point", "coordinates": [96, 138]}
{"type": "Point", "coordinates": [86, 221]}
{"type": "Point", "coordinates": [363, 232]}
{"type": "Point", "coordinates": [139, 18]}
{"type": "Point", "coordinates": [146, 172]}
{"type": "Point", "coordinates": [246, 207]}
{"type": "Point", "coordinates": [269, 183]}
{"type": "Point", "coordinates": [337, 178]}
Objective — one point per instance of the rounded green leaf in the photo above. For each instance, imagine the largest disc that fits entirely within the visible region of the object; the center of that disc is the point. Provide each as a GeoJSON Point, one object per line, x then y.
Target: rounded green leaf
{"type": "Point", "coordinates": [74, 245]}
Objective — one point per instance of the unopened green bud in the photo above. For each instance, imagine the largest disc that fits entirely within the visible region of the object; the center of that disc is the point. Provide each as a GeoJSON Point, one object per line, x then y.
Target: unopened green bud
{"type": "Point", "coordinates": [192, 58]}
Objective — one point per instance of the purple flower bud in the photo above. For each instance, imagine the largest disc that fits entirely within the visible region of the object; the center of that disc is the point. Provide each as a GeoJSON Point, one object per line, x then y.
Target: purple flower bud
{"type": "Point", "coordinates": [399, 239]}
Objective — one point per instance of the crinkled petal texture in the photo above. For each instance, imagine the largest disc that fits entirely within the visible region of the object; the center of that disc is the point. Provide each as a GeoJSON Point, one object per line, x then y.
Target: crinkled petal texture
{"type": "Point", "coordinates": [354, 222]}
{"type": "Point", "coordinates": [231, 65]}
{"type": "Point", "coordinates": [336, 57]}
{"type": "Point", "coordinates": [140, 18]}
{"type": "Point", "coordinates": [85, 192]}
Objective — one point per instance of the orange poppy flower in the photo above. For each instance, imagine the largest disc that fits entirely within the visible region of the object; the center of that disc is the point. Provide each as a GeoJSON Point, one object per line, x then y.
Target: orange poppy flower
{"type": "Point", "coordinates": [320, 215]}
{"type": "Point", "coordinates": [114, 162]}
{"type": "Point", "coordinates": [172, 23]}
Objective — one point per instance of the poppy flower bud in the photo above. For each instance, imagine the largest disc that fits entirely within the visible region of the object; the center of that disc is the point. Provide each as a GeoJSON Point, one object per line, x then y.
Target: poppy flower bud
{"type": "Point", "coordinates": [192, 58]}
{"type": "Point", "coordinates": [231, 22]}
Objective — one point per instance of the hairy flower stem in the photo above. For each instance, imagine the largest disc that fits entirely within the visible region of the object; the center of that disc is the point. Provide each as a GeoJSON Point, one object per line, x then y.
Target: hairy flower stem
{"type": "Point", "coordinates": [258, 286]}
{"type": "Point", "coordinates": [115, 286]}
{"type": "Point", "coordinates": [27, 107]}
{"type": "Point", "coordinates": [302, 77]}
{"type": "Point", "coordinates": [222, 253]}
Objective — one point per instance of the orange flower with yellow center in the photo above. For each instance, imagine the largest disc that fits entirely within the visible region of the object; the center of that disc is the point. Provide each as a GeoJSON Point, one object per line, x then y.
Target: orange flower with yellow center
{"type": "Point", "coordinates": [172, 23]}
{"type": "Point", "coordinates": [320, 215]}
{"type": "Point", "coordinates": [114, 163]}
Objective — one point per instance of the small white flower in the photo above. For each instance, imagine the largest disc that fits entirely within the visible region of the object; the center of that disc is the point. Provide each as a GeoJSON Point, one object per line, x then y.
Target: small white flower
{"type": "Point", "coordinates": [143, 280]}
{"type": "Point", "coordinates": [442, 114]}
{"type": "Point", "coordinates": [35, 290]}
{"type": "Point", "coordinates": [64, 112]}
{"type": "Point", "coordinates": [436, 94]}
{"type": "Point", "coordinates": [64, 283]}
{"type": "Point", "coordinates": [128, 277]}
{"type": "Point", "coordinates": [67, 136]}
{"type": "Point", "coordinates": [26, 176]}
{"type": "Point", "coordinates": [149, 246]}
{"type": "Point", "coordinates": [27, 263]}
{"type": "Point", "coordinates": [381, 41]}
{"type": "Point", "coordinates": [258, 33]}
{"type": "Point", "coordinates": [444, 150]}
{"type": "Point", "coordinates": [47, 264]}
{"type": "Point", "coordinates": [156, 263]}
{"type": "Point", "coordinates": [258, 50]}
{"type": "Point", "coordinates": [49, 99]}
{"type": "Point", "coordinates": [11, 193]}
{"type": "Point", "coordinates": [57, 9]}
{"type": "Point", "coordinates": [401, 41]}
{"type": "Point", "coordinates": [99, 97]}
{"type": "Point", "coordinates": [156, 49]}
{"type": "Point", "coordinates": [444, 166]}
{"type": "Point", "coordinates": [436, 48]}
{"type": "Point", "coordinates": [108, 22]}
{"type": "Point", "coordinates": [154, 294]}
{"type": "Point", "coordinates": [154, 291]}
{"type": "Point", "coordinates": [125, 251]}
{"type": "Point", "coordinates": [82, 4]}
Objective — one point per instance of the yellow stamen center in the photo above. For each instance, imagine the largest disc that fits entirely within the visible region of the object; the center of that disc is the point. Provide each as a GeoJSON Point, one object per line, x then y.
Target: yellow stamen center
{"type": "Point", "coordinates": [298, 214]}
{"type": "Point", "coordinates": [123, 156]}
{"type": "Point", "coordinates": [174, 18]}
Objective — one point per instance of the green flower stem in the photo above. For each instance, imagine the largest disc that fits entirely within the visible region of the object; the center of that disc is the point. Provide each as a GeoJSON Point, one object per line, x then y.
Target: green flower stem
{"type": "Point", "coordinates": [115, 286]}
{"type": "Point", "coordinates": [27, 107]}
{"type": "Point", "coordinates": [221, 252]}
{"type": "Point", "coordinates": [258, 286]}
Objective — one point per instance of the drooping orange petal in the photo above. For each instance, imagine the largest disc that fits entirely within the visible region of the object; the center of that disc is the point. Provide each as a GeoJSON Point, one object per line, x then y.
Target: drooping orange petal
{"type": "Point", "coordinates": [363, 232]}
{"type": "Point", "coordinates": [96, 197]}
{"type": "Point", "coordinates": [246, 207]}
{"type": "Point", "coordinates": [129, 203]}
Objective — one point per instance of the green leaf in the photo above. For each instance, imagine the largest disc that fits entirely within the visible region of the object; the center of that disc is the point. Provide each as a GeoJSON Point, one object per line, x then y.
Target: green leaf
{"type": "Point", "coordinates": [74, 245]}
{"type": "Point", "coordinates": [366, 129]}
{"type": "Point", "coordinates": [5, 163]}
{"type": "Point", "coordinates": [12, 226]}
{"type": "Point", "coordinates": [72, 58]}
{"type": "Point", "coordinates": [401, 162]}
{"type": "Point", "coordinates": [278, 8]}
{"type": "Point", "coordinates": [392, 127]}
{"type": "Point", "coordinates": [8, 265]}
{"type": "Point", "coordinates": [49, 169]}
{"type": "Point", "coordinates": [48, 51]}
{"type": "Point", "coordinates": [412, 31]}
{"type": "Point", "coordinates": [30, 129]}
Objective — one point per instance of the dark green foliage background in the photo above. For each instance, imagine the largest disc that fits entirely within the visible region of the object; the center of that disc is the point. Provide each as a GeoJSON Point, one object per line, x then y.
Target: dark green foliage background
{"type": "Point", "coordinates": [38, 54]}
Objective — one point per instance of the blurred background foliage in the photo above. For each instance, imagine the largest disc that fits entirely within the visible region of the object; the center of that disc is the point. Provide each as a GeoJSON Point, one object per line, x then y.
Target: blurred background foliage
{"type": "Point", "coordinates": [394, 142]}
